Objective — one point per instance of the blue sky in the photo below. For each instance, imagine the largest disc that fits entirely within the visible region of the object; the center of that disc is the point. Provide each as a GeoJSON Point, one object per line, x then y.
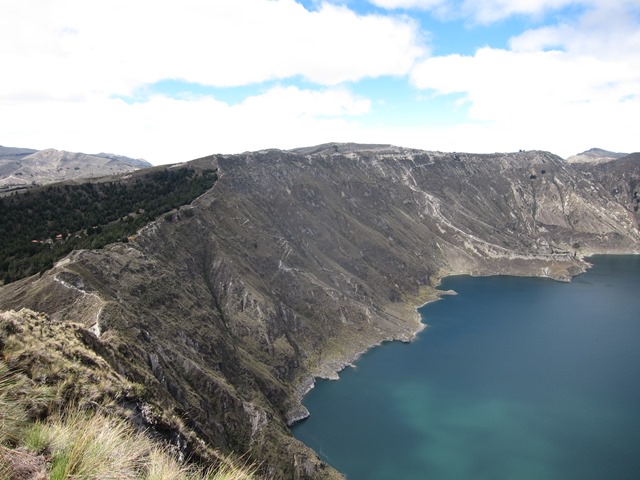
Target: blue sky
{"type": "Point", "coordinates": [169, 81]}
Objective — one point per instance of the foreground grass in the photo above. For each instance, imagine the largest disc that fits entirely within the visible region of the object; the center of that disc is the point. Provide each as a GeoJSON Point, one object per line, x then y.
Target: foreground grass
{"type": "Point", "coordinates": [59, 415]}
{"type": "Point", "coordinates": [96, 447]}
{"type": "Point", "coordinates": [76, 444]}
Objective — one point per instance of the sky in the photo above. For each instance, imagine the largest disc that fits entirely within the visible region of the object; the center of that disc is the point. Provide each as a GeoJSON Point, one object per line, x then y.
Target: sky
{"type": "Point", "coordinates": [169, 81]}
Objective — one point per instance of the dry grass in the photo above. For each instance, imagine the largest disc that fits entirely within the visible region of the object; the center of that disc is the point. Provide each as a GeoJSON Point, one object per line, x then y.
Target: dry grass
{"type": "Point", "coordinates": [52, 369]}
{"type": "Point", "coordinates": [78, 444]}
{"type": "Point", "coordinates": [162, 465]}
{"type": "Point", "coordinates": [230, 471]}
{"type": "Point", "coordinates": [52, 353]}
{"type": "Point", "coordinates": [93, 447]}
{"type": "Point", "coordinates": [18, 396]}
{"type": "Point", "coordinates": [13, 416]}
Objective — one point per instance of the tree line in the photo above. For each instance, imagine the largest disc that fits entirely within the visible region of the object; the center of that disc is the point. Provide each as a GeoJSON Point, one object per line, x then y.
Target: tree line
{"type": "Point", "coordinates": [39, 227]}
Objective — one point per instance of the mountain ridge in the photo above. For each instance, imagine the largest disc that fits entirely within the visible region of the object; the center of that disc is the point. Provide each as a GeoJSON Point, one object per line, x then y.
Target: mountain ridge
{"type": "Point", "coordinates": [595, 155]}
{"type": "Point", "coordinates": [15, 152]}
{"type": "Point", "coordinates": [297, 261]}
{"type": "Point", "coordinates": [20, 168]}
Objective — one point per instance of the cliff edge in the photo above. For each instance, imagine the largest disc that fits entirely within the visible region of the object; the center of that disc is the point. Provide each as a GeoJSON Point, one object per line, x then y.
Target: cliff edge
{"type": "Point", "coordinates": [295, 262]}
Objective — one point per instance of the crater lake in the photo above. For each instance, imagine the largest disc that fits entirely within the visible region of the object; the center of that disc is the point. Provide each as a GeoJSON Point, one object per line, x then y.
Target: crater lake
{"type": "Point", "coordinates": [513, 378]}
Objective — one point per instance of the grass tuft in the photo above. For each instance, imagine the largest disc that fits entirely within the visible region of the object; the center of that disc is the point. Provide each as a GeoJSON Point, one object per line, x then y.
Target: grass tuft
{"type": "Point", "coordinates": [87, 437]}
{"type": "Point", "coordinates": [230, 471]}
{"type": "Point", "coordinates": [13, 417]}
{"type": "Point", "coordinates": [83, 444]}
{"type": "Point", "coordinates": [93, 446]}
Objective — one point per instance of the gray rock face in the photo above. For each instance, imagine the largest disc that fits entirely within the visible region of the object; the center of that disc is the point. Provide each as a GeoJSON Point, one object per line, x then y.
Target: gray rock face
{"type": "Point", "coordinates": [295, 262]}
{"type": "Point", "coordinates": [620, 179]}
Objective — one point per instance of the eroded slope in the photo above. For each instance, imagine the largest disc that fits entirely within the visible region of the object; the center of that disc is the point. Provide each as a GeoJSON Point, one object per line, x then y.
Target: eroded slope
{"type": "Point", "coordinates": [297, 261]}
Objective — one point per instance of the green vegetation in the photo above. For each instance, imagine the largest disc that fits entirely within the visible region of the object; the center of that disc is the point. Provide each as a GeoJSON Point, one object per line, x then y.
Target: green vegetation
{"type": "Point", "coordinates": [57, 424]}
{"type": "Point", "coordinates": [57, 354]}
{"type": "Point", "coordinates": [41, 226]}
{"type": "Point", "coordinates": [84, 444]}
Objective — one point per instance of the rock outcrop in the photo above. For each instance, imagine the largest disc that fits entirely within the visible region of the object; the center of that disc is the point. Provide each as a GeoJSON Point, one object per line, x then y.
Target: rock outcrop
{"type": "Point", "coordinates": [295, 262]}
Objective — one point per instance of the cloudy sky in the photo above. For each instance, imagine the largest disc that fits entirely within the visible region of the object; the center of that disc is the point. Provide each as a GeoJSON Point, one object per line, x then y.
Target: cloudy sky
{"type": "Point", "coordinates": [170, 80]}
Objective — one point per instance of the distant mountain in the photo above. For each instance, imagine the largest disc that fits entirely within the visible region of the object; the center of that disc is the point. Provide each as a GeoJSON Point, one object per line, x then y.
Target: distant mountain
{"type": "Point", "coordinates": [20, 167]}
{"type": "Point", "coordinates": [13, 153]}
{"type": "Point", "coordinates": [595, 155]}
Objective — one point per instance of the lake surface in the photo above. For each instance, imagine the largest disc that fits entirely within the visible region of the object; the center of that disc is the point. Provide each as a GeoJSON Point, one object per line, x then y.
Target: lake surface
{"type": "Point", "coordinates": [514, 378]}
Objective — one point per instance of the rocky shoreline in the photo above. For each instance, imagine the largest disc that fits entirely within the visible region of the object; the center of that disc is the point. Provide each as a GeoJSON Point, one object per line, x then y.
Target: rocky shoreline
{"type": "Point", "coordinates": [331, 370]}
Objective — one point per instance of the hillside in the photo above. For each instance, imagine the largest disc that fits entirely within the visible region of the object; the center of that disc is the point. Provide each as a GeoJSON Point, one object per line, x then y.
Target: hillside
{"type": "Point", "coordinates": [20, 168]}
{"type": "Point", "coordinates": [72, 216]}
{"type": "Point", "coordinates": [595, 155]}
{"type": "Point", "coordinates": [13, 153]}
{"type": "Point", "coordinates": [620, 178]}
{"type": "Point", "coordinates": [66, 414]}
{"type": "Point", "coordinates": [295, 262]}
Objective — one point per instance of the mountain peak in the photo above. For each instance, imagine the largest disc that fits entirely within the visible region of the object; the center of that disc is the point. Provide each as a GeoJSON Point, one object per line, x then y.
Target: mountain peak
{"type": "Point", "coordinates": [595, 155]}
{"type": "Point", "coordinates": [21, 167]}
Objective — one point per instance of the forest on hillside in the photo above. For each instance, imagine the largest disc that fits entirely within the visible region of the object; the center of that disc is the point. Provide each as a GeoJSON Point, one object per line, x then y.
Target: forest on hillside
{"type": "Point", "coordinates": [38, 227]}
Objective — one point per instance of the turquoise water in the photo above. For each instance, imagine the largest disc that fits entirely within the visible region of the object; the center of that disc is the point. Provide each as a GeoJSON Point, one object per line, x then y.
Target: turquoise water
{"type": "Point", "coordinates": [514, 378]}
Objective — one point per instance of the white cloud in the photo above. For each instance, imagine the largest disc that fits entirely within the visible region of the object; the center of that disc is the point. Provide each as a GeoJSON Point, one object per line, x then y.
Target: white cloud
{"type": "Point", "coordinates": [166, 130]}
{"type": "Point", "coordinates": [563, 87]}
{"type": "Point", "coordinates": [75, 48]}
{"type": "Point", "coordinates": [544, 99]}
{"type": "Point", "coordinates": [610, 32]}
{"type": "Point", "coordinates": [560, 87]}
{"type": "Point", "coordinates": [501, 83]}
{"type": "Point", "coordinates": [487, 11]}
{"type": "Point", "coordinates": [418, 4]}
{"type": "Point", "coordinates": [66, 63]}
{"type": "Point", "coordinates": [490, 11]}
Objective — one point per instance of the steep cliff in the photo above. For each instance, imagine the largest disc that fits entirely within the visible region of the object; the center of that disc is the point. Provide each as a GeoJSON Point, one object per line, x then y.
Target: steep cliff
{"type": "Point", "coordinates": [295, 262]}
{"type": "Point", "coordinates": [621, 178]}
